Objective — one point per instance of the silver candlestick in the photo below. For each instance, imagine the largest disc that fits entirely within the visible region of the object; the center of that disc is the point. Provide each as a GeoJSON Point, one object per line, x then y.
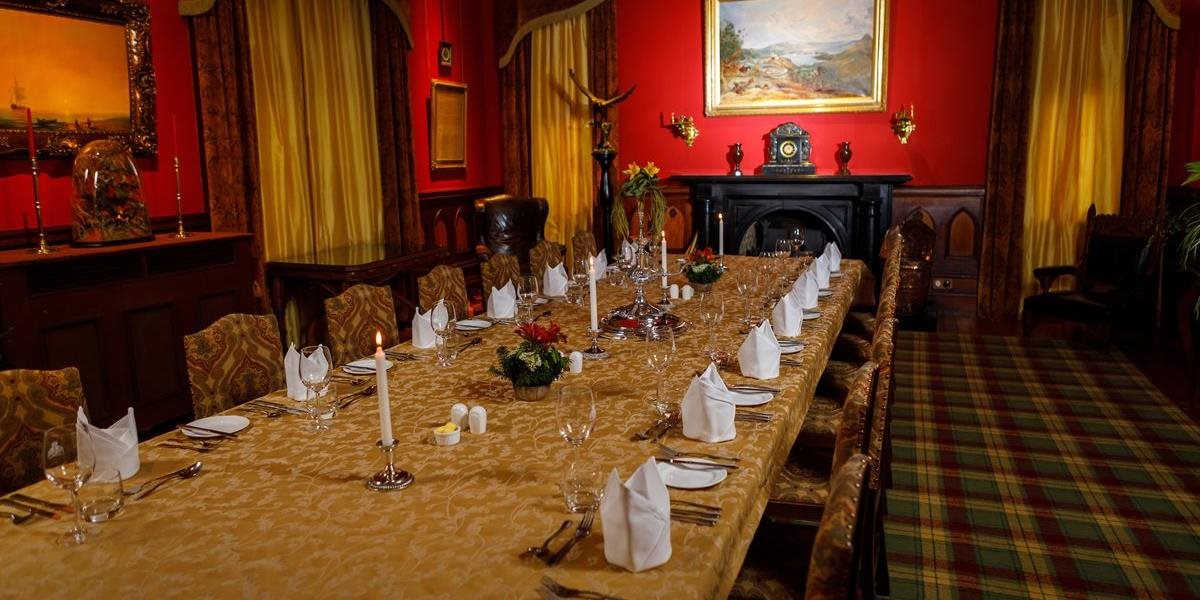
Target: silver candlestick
{"type": "Point", "coordinates": [595, 352]}
{"type": "Point", "coordinates": [389, 479]}
{"type": "Point", "coordinates": [179, 232]}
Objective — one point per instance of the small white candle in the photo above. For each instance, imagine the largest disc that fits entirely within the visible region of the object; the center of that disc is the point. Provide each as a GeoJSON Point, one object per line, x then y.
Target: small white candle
{"type": "Point", "coordinates": [385, 409]}
{"type": "Point", "coordinates": [663, 245]}
{"type": "Point", "coordinates": [592, 295]}
{"type": "Point", "coordinates": [721, 234]}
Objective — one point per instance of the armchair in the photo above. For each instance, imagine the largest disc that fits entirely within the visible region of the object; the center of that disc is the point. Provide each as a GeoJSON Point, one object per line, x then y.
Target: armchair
{"type": "Point", "coordinates": [510, 225]}
{"type": "Point", "coordinates": [1113, 277]}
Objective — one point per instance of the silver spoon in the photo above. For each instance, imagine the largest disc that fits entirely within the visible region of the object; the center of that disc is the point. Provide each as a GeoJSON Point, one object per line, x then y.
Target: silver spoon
{"type": "Point", "coordinates": [544, 550]}
{"type": "Point", "coordinates": [15, 518]}
{"type": "Point", "coordinates": [134, 490]}
{"type": "Point", "coordinates": [188, 473]}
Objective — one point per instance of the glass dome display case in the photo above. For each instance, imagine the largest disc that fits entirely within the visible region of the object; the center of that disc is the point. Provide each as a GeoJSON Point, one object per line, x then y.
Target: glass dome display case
{"type": "Point", "coordinates": [108, 206]}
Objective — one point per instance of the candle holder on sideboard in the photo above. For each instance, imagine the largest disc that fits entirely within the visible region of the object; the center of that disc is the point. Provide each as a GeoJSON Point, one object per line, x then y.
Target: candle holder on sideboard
{"type": "Point", "coordinates": [42, 246]}
{"type": "Point", "coordinates": [179, 232]}
{"type": "Point", "coordinates": [389, 479]}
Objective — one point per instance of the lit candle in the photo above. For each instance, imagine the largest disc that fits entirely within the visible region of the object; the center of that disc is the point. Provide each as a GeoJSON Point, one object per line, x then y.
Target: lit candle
{"type": "Point", "coordinates": [663, 245]}
{"type": "Point", "coordinates": [385, 409]}
{"type": "Point", "coordinates": [720, 234]}
{"type": "Point", "coordinates": [29, 128]}
{"type": "Point", "coordinates": [592, 295]}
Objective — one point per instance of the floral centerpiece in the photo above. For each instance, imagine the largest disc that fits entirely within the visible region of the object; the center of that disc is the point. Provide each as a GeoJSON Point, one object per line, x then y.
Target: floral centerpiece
{"type": "Point", "coordinates": [640, 182]}
{"type": "Point", "coordinates": [535, 363]}
{"type": "Point", "coordinates": [702, 269]}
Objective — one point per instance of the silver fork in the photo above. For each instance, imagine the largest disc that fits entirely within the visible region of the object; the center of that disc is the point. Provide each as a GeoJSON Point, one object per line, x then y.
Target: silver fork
{"type": "Point", "coordinates": [559, 590]}
{"type": "Point", "coordinates": [584, 530]}
{"type": "Point", "coordinates": [673, 453]}
{"type": "Point", "coordinates": [15, 518]}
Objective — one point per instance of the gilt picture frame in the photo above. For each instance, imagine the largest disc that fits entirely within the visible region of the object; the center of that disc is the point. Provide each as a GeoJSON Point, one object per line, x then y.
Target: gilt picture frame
{"type": "Point", "coordinates": [448, 125]}
{"type": "Point", "coordinates": [83, 69]}
{"type": "Point", "coordinates": [792, 56]}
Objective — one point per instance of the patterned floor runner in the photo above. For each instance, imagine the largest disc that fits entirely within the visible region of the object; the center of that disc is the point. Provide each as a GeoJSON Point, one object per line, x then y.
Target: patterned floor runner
{"type": "Point", "coordinates": [1034, 469]}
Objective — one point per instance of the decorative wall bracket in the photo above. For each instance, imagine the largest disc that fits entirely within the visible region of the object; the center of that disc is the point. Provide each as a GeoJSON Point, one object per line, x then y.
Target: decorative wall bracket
{"type": "Point", "coordinates": [684, 127]}
{"type": "Point", "coordinates": [904, 122]}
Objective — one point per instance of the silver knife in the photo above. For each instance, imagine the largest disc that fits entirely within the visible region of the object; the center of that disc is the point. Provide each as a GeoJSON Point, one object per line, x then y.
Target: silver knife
{"type": "Point", "coordinates": [46, 503]}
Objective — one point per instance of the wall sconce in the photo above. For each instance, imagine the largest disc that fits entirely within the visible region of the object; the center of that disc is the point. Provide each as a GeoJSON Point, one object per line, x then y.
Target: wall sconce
{"type": "Point", "coordinates": [904, 122]}
{"type": "Point", "coordinates": [684, 127]}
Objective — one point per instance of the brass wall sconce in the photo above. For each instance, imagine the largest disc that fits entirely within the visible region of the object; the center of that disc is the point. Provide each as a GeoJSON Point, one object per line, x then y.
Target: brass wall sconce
{"type": "Point", "coordinates": [904, 122]}
{"type": "Point", "coordinates": [684, 126]}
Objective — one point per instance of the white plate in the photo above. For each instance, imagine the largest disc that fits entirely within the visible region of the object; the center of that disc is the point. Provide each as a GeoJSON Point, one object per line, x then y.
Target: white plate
{"type": "Point", "coordinates": [472, 324]}
{"type": "Point", "coordinates": [751, 398]}
{"type": "Point", "coordinates": [541, 300]}
{"type": "Point", "coordinates": [226, 423]}
{"type": "Point", "coordinates": [690, 477]}
{"type": "Point", "coordinates": [824, 293]}
{"type": "Point", "coordinates": [790, 348]}
{"type": "Point", "coordinates": [364, 366]}
{"type": "Point", "coordinates": [811, 314]}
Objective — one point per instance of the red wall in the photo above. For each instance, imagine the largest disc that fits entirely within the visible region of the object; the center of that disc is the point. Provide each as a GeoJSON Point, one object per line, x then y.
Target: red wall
{"type": "Point", "coordinates": [171, 53]}
{"type": "Point", "coordinates": [940, 58]}
{"type": "Point", "coordinates": [468, 26]}
{"type": "Point", "coordinates": [1185, 128]}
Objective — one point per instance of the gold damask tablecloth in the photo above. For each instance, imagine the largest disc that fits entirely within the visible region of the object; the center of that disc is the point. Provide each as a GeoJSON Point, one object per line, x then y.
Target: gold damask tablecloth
{"type": "Point", "coordinates": [280, 512]}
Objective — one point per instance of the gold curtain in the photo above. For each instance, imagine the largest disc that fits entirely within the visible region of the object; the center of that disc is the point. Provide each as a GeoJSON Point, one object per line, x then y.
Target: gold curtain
{"type": "Point", "coordinates": [1076, 127]}
{"type": "Point", "coordinates": [560, 141]}
{"type": "Point", "coordinates": [318, 150]}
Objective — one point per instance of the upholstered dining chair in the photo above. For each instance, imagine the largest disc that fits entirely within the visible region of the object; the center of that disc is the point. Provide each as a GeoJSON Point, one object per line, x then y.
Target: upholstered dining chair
{"type": "Point", "coordinates": [498, 271]}
{"type": "Point", "coordinates": [444, 283]}
{"type": "Point", "coordinates": [583, 246]}
{"type": "Point", "coordinates": [545, 254]}
{"type": "Point", "coordinates": [821, 420]}
{"type": "Point", "coordinates": [510, 225]}
{"type": "Point", "coordinates": [353, 317]}
{"type": "Point", "coordinates": [236, 359]}
{"type": "Point", "coordinates": [31, 402]}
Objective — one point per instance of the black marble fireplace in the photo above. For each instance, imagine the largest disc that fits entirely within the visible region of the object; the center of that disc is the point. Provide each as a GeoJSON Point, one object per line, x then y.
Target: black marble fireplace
{"type": "Point", "coordinates": [853, 210]}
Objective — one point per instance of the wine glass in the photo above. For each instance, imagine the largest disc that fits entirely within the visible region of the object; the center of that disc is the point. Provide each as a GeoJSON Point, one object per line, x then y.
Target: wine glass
{"type": "Point", "coordinates": [576, 416]}
{"type": "Point", "coordinates": [712, 311]}
{"type": "Point", "coordinates": [659, 351]}
{"type": "Point", "coordinates": [68, 468]}
{"type": "Point", "coordinates": [747, 287]}
{"type": "Point", "coordinates": [797, 240]}
{"type": "Point", "coordinates": [315, 374]}
{"type": "Point", "coordinates": [444, 327]}
{"type": "Point", "coordinates": [528, 289]}
{"type": "Point", "coordinates": [579, 279]}
{"type": "Point", "coordinates": [783, 248]}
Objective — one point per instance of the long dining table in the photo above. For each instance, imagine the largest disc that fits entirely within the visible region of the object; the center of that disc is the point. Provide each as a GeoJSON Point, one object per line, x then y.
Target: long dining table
{"type": "Point", "coordinates": [283, 512]}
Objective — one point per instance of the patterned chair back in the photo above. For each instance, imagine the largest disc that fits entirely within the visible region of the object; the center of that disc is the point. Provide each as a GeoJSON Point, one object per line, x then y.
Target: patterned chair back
{"type": "Point", "coordinates": [583, 246]}
{"type": "Point", "coordinates": [545, 253]}
{"type": "Point", "coordinates": [499, 270]}
{"type": "Point", "coordinates": [883, 352]}
{"type": "Point", "coordinates": [851, 437]}
{"type": "Point", "coordinates": [32, 402]}
{"type": "Point", "coordinates": [833, 567]}
{"type": "Point", "coordinates": [237, 358]}
{"type": "Point", "coordinates": [354, 316]}
{"type": "Point", "coordinates": [444, 283]}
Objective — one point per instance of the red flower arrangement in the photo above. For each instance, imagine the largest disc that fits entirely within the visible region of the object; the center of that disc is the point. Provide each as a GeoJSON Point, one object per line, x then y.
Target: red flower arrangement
{"type": "Point", "coordinates": [543, 336]}
{"type": "Point", "coordinates": [535, 361]}
{"type": "Point", "coordinates": [702, 267]}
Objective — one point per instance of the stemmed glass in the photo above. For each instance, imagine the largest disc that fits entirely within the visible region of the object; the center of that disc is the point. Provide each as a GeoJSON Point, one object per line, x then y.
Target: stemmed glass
{"type": "Point", "coordinates": [797, 240]}
{"type": "Point", "coordinates": [712, 311]}
{"type": "Point", "coordinates": [576, 416]}
{"type": "Point", "coordinates": [444, 328]}
{"type": "Point", "coordinates": [579, 279]}
{"type": "Point", "coordinates": [659, 351]}
{"type": "Point", "coordinates": [68, 469]}
{"type": "Point", "coordinates": [315, 374]}
{"type": "Point", "coordinates": [528, 289]}
{"type": "Point", "coordinates": [747, 287]}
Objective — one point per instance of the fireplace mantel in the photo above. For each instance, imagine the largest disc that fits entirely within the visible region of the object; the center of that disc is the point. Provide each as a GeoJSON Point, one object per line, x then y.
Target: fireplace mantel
{"type": "Point", "coordinates": [853, 209]}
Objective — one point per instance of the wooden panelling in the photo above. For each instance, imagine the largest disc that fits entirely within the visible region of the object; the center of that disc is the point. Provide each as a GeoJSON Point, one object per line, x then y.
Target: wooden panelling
{"type": "Point", "coordinates": [155, 355]}
{"type": "Point", "coordinates": [957, 216]}
{"type": "Point", "coordinates": [449, 221]}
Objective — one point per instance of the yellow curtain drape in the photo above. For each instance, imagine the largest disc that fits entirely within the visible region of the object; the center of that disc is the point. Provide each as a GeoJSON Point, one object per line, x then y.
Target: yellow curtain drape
{"type": "Point", "coordinates": [1077, 125]}
{"type": "Point", "coordinates": [560, 141]}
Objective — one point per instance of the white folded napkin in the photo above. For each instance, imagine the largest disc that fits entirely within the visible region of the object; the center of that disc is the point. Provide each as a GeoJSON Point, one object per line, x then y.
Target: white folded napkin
{"type": "Point", "coordinates": [115, 447]}
{"type": "Point", "coordinates": [315, 364]}
{"type": "Point", "coordinates": [600, 261]}
{"type": "Point", "coordinates": [820, 268]}
{"type": "Point", "coordinates": [788, 314]}
{"type": "Point", "coordinates": [291, 374]}
{"type": "Point", "coordinates": [627, 251]}
{"type": "Point", "coordinates": [708, 408]}
{"type": "Point", "coordinates": [759, 354]}
{"type": "Point", "coordinates": [502, 303]}
{"type": "Point", "coordinates": [422, 328]}
{"type": "Point", "coordinates": [835, 257]}
{"type": "Point", "coordinates": [806, 289]}
{"type": "Point", "coordinates": [554, 282]}
{"type": "Point", "coordinates": [636, 519]}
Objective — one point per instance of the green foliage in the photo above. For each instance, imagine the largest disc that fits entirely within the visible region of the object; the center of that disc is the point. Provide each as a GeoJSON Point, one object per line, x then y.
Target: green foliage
{"type": "Point", "coordinates": [1188, 222]}
{"type": "Point", "coordinates": [1193, 169]}
{"type": "Point", "coordinates": [731, 42]}
{"type": "Point", "coordinates": [530, 364]}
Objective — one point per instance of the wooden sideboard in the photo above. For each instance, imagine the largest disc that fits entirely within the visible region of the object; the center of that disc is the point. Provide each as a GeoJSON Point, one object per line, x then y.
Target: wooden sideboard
{"type": "Point", "coordinates": [956, 215]}
{"type": "Point", "coordinates": [119, 314]}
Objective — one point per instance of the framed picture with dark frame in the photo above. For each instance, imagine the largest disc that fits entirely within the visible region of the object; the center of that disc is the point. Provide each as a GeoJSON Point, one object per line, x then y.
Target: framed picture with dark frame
{"type": "Point", "coordinates": [82, 69]}
{"type": "Point", "coordinates": [448, 125]}
{"type": "Point", "coordinates": [787, 57]}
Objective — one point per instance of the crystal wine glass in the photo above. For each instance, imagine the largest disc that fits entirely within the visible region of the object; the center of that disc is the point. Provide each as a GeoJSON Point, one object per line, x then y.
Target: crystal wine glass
{"type": "Point", "coordinates": [69, 469]}
{"type": "Point", "coordinates": [528, 289]}
{"type": "Point", "coordinates": [747, 287]}
{"type": "Point", "coordinates": [797, 240]}
{"type": "Point", "coordinates": [712, 311]}
{"type": "Point", "coordinates": [444, 328]}
{"type": "Point", "coordinates": [315, 374]}
{"type": "Point", "coordinates": [576, 416]}
{"type": "Point", "coordinates": [659, 351]}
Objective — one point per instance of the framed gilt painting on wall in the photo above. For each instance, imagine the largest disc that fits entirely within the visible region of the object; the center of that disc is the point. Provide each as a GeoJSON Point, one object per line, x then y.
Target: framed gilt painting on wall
{"type": "Point", "coordinates": [448, 125]}
{"type": "Point", "coordinates": [81, 70]}
{"type": "Point", "coordinates": [794, 56]}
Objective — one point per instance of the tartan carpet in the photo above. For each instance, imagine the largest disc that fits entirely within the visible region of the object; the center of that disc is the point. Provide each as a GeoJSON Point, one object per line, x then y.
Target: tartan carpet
{"type": "Point", "coordinates": [1034, 469]}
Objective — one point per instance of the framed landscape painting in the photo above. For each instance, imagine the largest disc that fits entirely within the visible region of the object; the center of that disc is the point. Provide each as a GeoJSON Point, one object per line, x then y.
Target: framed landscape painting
{"type": "Point", "coordinates": [794, 56]}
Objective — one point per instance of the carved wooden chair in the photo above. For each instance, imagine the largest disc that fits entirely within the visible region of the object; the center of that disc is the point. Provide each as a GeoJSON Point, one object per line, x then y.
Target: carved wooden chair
{"type": "Point", "coordinates": [31, 402]}
{"type": "Point", "coordinates": [1113, 278]}
{"type": "Point", "coordinates": [821, 421]}
{"type": "Point", "coordinates": [498, 271]}
{"type": "Point", "coordinates": [510, 225]}
{"type": "Point", "coordinates": [917, 237]}
{"type": "Point", "coordinates": [354, 316]}
{"type": "Point", "coordinates": [444, 283]}
{"type": "Point", "coordinates": [236, 359]}
{"type": "Point", "coordinates": [583, 246]}
{"type": "Point", "coordinates": [545, 254]}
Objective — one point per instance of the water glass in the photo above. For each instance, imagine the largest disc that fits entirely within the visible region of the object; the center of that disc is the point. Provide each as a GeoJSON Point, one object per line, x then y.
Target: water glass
{"type": "Point", "coordinates": [444, 329]}
{"type": "Point", "coordinates": [69, 469]}
{"type": "Point", "coordinates": [576, 416]}
{"type": "Point", "coordinates": [102, 497]}
{"type": "Point", "coordinates": [582, 486]}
